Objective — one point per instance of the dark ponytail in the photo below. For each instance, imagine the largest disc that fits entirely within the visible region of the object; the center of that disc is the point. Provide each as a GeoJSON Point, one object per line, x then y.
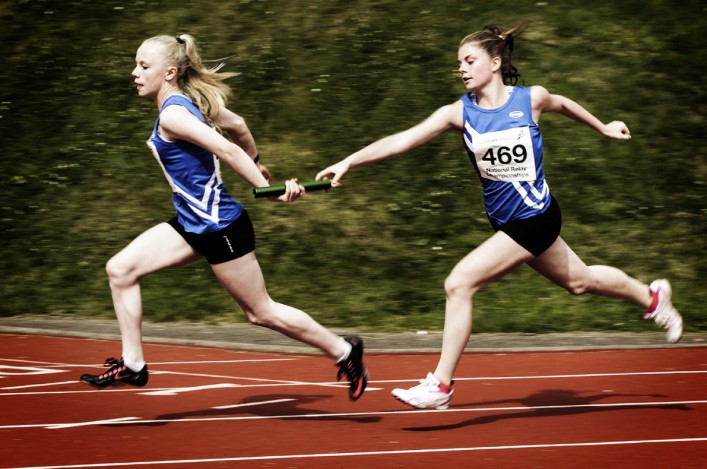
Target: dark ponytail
{"type": "Point", "coordinates": [498, 41]}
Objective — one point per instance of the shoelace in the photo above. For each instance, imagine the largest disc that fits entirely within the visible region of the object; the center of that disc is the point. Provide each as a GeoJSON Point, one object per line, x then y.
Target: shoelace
{"type": "Point", "coordinates": [111, 361]}
{"type": "Point", "coordinates": [116, 367]}
{"type": "Point", "coordinates": [429, 384]}
{"type": "Point", "coordinates": [351, 372]}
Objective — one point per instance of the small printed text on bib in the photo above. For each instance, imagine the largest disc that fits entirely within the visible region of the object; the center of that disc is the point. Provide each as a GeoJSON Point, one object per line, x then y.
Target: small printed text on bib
{"type": "Point", "coordinates": [505, 155]}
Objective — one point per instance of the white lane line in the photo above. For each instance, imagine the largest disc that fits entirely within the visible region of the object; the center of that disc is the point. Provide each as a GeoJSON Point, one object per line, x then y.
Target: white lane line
{"type": "Point", "coordinates": [86, 390]}
{"type": "Point", "coordinates": [597, 375]}
{"type": "Point", "coordinates": [195, 362]}
{"type": "Point", "coordinates": [580, 375]}
{"type": "Point", "coordinates": [392, 412]}
{"type": "Point", "coordinates": [9, 370]}
{"type": "Point", "coordinates": [250, 404]}
{"type": "Point", "coordinates": [155, 392]}
{"type": "Point", "coordinates": [283, 383]}
{"type": "Point", "coordinates": [35, 362]}
{"type": "Point", "coordinates": [60, 426]}
{"type": "Point", "coordinates": [274, 382]}
{"type": "Point", "coordinates": [374, 453]}
{"type": "Point", "coordinates": [26, 386]}
{"type": "Point", "coordinates": [208, 375]}
{"type": "Point", "coordinates": [208, 362]}
{"type": "Point", "coordinates": [175, 391]}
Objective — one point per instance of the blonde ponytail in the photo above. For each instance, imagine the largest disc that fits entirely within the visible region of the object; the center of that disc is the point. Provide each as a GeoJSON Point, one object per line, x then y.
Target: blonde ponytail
{"type": "Point", "coordinates": [205, 86]}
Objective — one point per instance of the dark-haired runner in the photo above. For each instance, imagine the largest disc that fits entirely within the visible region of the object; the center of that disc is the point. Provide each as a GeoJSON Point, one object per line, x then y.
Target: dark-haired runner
{"type": "Point", "coordinates": [499, 124]}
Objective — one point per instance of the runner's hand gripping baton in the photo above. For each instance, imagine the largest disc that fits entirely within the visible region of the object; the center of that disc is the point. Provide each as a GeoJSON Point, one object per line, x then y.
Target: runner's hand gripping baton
{"type": "Point", "coordinates": [279, 189]}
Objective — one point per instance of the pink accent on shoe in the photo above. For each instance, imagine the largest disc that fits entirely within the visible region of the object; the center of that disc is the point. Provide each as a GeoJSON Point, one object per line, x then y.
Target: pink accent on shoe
{"type": "Point", "coordinates": [650, 312]}
{"type": "Point", "coordinates": [445, 387]}
{"type": "Point", "coordinates": [665, 314]}
{"type": "Point", "coordinates": [426, 395]}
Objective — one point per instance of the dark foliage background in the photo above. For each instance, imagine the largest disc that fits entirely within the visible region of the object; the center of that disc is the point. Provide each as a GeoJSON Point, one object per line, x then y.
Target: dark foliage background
{"type": "Point", "coordinates": [320, 80]}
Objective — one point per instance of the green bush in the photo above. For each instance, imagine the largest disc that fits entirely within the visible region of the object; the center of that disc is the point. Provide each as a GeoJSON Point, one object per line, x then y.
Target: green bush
{"type": "Point", "coordinates": [320, 80]}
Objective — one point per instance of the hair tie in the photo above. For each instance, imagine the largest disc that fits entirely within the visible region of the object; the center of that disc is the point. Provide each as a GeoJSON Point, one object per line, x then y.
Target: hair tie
{"type": "Point", "coordinates": [179, 39]}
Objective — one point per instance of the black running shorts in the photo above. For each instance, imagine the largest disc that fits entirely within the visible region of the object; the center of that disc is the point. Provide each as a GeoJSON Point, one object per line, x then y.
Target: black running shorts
{"type": "Point", "coordinates": [232, 242]}
{"type": "Point", "coordinates": [535, 234]}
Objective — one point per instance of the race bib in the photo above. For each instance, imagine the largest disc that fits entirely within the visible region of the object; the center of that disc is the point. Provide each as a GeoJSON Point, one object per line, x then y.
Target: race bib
{"type": "Point", "coordinates": [506, 155]}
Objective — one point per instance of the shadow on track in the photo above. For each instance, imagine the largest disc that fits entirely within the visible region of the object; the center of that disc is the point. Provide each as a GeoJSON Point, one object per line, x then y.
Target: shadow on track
{"type": "Point", "coordinates": [279, 406]}
{"type": "Point", "coordinates": [550, 403]}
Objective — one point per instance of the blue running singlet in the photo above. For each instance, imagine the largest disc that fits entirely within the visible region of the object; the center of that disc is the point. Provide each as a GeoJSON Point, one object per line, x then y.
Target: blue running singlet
{"type": "Point", "coordinates": [201, 200]}
{"type": "Point", "coordinates": [505, 146]}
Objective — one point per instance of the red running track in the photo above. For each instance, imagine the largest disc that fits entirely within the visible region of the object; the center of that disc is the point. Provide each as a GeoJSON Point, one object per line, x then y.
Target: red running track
{"type": "Point", "coordinates": [207, 407]}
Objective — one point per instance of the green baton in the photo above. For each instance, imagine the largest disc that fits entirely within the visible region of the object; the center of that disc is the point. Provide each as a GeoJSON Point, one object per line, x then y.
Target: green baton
{"type": "Point", "coordinates": [279, 189]}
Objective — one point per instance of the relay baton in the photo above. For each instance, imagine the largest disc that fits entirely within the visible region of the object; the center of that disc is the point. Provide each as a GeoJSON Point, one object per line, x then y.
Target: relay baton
{"type": "Point", "coordinates": [279, 189]}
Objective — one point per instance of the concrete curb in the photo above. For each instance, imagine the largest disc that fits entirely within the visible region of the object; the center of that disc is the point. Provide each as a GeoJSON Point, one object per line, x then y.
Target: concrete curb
{"type": "Point", "coordinates": [242, 336]}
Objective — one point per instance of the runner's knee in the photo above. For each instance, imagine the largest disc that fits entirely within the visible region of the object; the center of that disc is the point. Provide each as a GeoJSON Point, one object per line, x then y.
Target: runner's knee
{"type": "Point", "coordinates": [579, 287]}
{"type": "Point", "coordinates": [120, 273]}
{"type": "Point", "coordinates": [261, 320]}
{"type": "Point", "coordinates": [457, 285]}
{"type": "Point", "coordinates": [264, 316]}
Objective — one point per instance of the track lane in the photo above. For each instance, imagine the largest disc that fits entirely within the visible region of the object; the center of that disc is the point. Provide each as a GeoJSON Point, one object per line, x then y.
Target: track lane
{"type": "Point", "coordinates": [227, 408]}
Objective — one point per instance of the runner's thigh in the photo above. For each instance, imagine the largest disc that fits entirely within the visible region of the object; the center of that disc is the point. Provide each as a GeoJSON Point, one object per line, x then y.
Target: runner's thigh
{"type": "Point", "coordinates": [160, 247]}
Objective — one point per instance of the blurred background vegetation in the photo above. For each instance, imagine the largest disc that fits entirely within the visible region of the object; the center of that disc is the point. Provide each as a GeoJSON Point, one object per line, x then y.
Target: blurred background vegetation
{"type": "Point", "coordinates": [321, 79]}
